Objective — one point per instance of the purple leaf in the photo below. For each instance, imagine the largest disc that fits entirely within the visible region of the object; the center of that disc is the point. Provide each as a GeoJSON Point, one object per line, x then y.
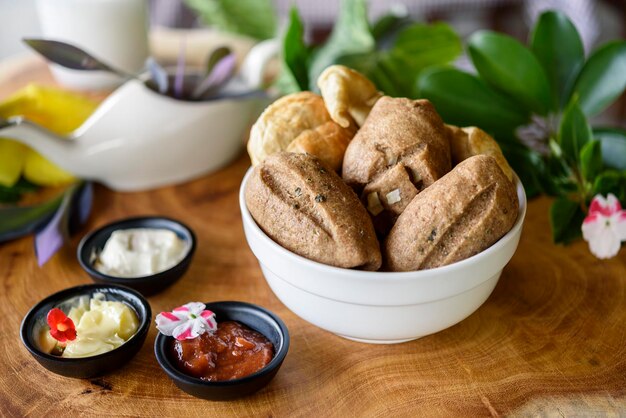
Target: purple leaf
{"type": "Point", "coordinates": [81, 207]}
{"type": "Point", "coordinates": [73, 211]}
{"type": "Point", "coordinates": [51, 237]}
{"type": "Point", "coordinates": [179, 80]}
{"type": "Point", "coordinates": [158, 74]}
{"type": "Point", "coordinates": [221, 72]}
{"type": "Point", "coordinates": [84, 202]}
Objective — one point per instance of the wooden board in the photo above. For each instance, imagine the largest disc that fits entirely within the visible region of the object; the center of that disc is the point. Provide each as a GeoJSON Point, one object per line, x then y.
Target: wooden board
{"type": "Point", "coordinates": [550, 340]}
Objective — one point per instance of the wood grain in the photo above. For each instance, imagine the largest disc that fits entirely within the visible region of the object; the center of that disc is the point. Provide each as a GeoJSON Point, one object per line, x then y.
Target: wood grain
{"type": "Point", "coordinates": [550, 341]}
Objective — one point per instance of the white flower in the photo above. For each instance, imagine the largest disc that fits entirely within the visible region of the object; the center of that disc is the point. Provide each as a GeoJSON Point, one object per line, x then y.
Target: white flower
{"type": "Point", "coordinates": [604, 228]}
{"type": "Point", "coordinates": [186, 322]}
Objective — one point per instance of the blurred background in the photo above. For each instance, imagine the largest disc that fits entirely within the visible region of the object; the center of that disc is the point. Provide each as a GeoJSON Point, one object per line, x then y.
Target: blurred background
{"type": "Point", "coordinates": [597, 20]}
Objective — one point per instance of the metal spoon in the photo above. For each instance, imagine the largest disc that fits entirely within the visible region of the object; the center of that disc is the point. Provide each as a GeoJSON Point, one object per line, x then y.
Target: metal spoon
{"type": "Point", "coordinates": [70, 56]}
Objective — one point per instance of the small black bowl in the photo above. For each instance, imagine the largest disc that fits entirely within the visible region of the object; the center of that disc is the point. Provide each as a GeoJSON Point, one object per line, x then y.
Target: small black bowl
{"type": "Point", "coordinates": [93, 243]}
{"type": "Point", "coordinates": [254, 317]}
{"type": "Point", "coordinates": [100, 364]}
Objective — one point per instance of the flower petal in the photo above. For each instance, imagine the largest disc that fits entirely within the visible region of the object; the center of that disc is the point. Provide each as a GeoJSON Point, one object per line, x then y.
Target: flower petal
{"type": "Point", "coordinates": [598, 205]}
{"type": "Point", "coordinates": [593, 226]}
{"type": "Point", "coordinates": [613, 203]}
{"type": "Point", "coordinates": [606, 207]}
{"type": "Point", "coordinates": [195, 308]}
{"type": "Point", "coordinates": [199, 326]}
{"type": "Point", "coordinates": [61, 326]}
{"type": "Point", "coordinates": [167, 322]}
{"type": "Point", "coordinates": [604, 245]}
{"type": "Point", "coordinates": [618, 225]}
{"type": "Point", "coordinates": [185, 334]}
{"type": "Point", "coordinates": [184, 331]}
{"type": "Point", "coordinates": [209, 317]}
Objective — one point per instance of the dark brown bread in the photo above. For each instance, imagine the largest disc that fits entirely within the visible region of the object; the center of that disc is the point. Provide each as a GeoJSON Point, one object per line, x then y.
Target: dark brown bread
{"type": "Point", "coordinates": [381, 195]}
{"type": "Point", "coordinates": [305, 206]}
{"type": "Point", "coordinates": [398, 131]}
{"type": "Point", "coordinates": [461, 214]}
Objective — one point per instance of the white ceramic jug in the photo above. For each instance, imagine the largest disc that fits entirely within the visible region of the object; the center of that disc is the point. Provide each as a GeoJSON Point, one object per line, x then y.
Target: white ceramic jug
{"type": "Point", "coordinates": [138, 139]}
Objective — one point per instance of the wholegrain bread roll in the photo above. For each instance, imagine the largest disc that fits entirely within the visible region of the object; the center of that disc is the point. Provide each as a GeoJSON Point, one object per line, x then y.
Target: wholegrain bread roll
{"type": "Point", "coordinates": [387, 196]}
{"type": "Point", "coordinates": [398, 131]}
{"type": "Point", "coordinates": [470, 141]}
{"type": "Point", "coordinates": [461, 214]}
{"type": "Point", "coordinates": [302, 119]}
{"type": "Point", "coordinates": [305, 207]}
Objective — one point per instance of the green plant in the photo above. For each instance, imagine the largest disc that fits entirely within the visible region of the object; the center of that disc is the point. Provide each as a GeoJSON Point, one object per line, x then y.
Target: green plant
{"type": "Point", "coordinates": [253, 18]}
{"type": "Point", "coordinates": [391, 53]}
{"type": "Point", "coordinates": [536, 100]}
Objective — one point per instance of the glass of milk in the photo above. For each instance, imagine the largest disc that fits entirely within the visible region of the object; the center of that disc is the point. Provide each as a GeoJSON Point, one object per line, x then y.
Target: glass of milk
{"type": "Point", "coordinates": [115, 31]}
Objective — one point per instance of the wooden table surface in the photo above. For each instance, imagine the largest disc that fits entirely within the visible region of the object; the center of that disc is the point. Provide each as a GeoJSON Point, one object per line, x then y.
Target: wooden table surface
{"type": "Point", "coordinates": [551, 339]}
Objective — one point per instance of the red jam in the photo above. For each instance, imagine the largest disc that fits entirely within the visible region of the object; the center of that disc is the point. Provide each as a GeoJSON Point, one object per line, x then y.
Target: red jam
{"type": "Point", "coordinates": [231, 352]}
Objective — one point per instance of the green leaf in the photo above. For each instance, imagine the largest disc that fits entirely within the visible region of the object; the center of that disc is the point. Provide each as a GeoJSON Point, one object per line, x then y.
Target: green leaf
{"type": "Point", "coordinates": [465, 100]}
{"type": "Point", "coordinates": [420, 46]}
{"type": "Point", "coordinates": [295, 53]}
{"type": "Point", "coordinates": [375, 66]}
{"type": "Point", "coordinates": [14, 193]}
{"type": "Point", "coordinates": [395, 71]}
{"type": "Point", "coordinates": [566, 218]}
{"type": "Point", "coordinates": [557, 45]}
{"type": "Point", "coordinates": [388, 25]}
{"type": "Point", "coordinates": [528, 166]}
{"type": "Point", "coordinates": [591, 160]}
{"type": "Point", "coordinates": [351, 35]}
{"type": "Point", "coordinates": [611, 181]}
{"type": "Point", "coordinates": [253, 18]}
{"type": "Point", "coordinates": [510, 67]}
{"type": "Point", "coordinates": [18, 221]}
{"type": "Point", "coordinates": [613, 142]}
{"type": "Point", "coordinates": [574, 132]}
{"type": "Point", "coordinates": [603, 78]}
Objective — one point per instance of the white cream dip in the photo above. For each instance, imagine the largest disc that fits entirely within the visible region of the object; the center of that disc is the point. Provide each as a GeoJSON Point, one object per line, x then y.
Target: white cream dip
{"type": "Point", "coordinates": [140, 252]}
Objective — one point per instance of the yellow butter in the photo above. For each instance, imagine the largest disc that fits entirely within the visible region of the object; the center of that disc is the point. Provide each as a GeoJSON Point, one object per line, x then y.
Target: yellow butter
{"type": "Point", "coordinates": [101, 326]}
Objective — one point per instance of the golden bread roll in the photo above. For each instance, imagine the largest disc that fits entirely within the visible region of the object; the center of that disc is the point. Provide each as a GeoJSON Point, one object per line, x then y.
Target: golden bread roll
{"type": "Point", "coordinates": [328, 142]}
{"type": "Point", "coordinates": [461, 214]}
{"type": "Point", "coordinates": [305, 207]}
{"type": "Point", "coordinates": [348, 94]}
{"type": "Point", "coordinates": [286, 119]}
{"type": "Point", "coordinates": [470, 141]}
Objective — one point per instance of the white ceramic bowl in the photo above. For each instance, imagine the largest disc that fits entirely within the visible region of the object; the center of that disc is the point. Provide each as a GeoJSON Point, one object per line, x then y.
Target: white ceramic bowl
{"type": "Point", "coordinates": [380, 307]}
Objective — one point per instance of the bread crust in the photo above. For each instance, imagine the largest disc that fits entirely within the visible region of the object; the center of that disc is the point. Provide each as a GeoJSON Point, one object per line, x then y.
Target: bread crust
{"type": "Point", "coordinates": [460, 215]}
{"type": "Point", "coordinates": [300, 117]}
{"type": "Point", "coordinates": [399, 131]}
{"type": "Point", "coordinates": [348, 94]}
{"type": "Point", "coordinates": [328, 142]}
{"type": "Point", "coordinates": [305, 207]}
{"type": "Point", "coordinates": [469, 141]}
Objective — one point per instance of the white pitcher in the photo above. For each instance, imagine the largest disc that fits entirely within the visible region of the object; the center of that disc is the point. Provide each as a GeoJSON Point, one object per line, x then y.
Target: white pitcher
{"type": "Point", "coordinates": [138, 139]}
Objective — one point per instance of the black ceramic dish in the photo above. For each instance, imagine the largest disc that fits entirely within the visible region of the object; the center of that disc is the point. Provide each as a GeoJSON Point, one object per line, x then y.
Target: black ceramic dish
{"type": "Point", "coordinates": [93, 243]}
{"type": "Point", "coordinates": [100, 364]}
{"type": "Point", "coordinates": [255, 317]}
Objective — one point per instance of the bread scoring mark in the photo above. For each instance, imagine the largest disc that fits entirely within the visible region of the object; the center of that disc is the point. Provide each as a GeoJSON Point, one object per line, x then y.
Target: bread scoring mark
{"type": "Point", "coordinates": [296, 189]}
{"type": "Point", "coordinates": [455, 237]}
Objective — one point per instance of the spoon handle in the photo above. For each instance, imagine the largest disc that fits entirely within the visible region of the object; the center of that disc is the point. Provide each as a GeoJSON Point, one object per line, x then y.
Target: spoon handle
{"type": "Point", "coordinates": [71, 56]}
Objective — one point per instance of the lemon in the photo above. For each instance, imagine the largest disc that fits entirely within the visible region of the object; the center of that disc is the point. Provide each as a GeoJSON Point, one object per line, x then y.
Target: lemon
{"type": "Point", "coordinates": [12, 157]}
{"type": "Point", "coordinates": [57, 110]}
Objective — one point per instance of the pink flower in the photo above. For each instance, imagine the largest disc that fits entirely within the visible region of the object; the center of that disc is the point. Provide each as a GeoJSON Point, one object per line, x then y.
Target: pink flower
{"type": "Point", "coordinates": [604, 228]}
{"type": "Point", "coordinates": [186, 322]}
